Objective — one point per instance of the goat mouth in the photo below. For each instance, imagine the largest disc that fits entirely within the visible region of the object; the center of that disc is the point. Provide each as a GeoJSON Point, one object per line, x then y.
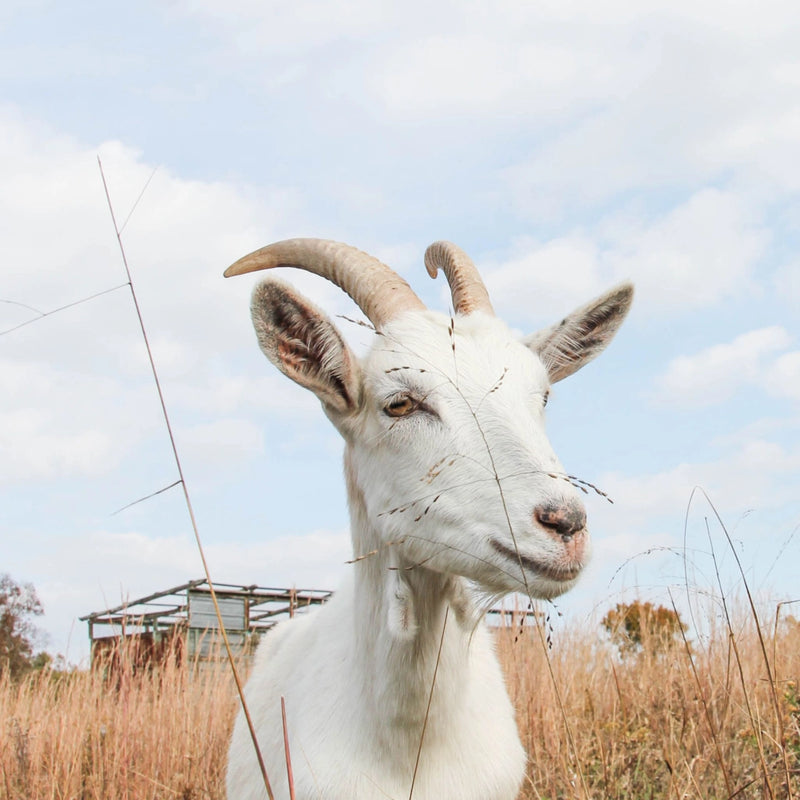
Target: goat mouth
{"type": "Point", "coordinates": [559, 574]}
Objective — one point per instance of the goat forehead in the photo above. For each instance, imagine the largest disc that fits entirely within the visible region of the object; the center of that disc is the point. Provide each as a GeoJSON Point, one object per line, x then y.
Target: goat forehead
{"type": "Point", "coordinates": [476, 349]}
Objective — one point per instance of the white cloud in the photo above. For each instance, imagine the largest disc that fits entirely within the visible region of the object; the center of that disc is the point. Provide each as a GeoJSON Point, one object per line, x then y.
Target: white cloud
{"type": "Point", "coordinates": [699, 253]}
{"type": "Point", "coordinates": [714, 374]}
{"type": "Point", "coordinates": [32, 447]}
{"type": "Point", "coordinates": [511, 60]}
{"type": "Point", "coordinates": [273, 31]}
{"type": "Point", "coordinates": [221, 441]}
{"type": "Point", "coordinates": [764, 428]}
{"type": "Point", "coordinates": [58, 422]}
{"type": "Point", "coordinates": [261, 391]}
{"type": "Point", "coordinates": [550, 277]}
{"type": "Point", "coordinates": [782, 377]}
{"type": "Point", "coordinates": [758, 474]}
{"type": "Point", "coordinates": [787, 282]}
{"type": "Point", "coordinates": [685, 98]}
{"type": "Point", "coordinates": [479, 72]}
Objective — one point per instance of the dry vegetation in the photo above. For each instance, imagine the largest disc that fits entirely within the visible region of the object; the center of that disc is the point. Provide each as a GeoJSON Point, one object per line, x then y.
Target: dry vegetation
{"type": "Point", "coordinates": [649, 722]}
{"type": "Point", "coordinates": [704, 719]}
{"type": "Point", "coordinates": [158, 733]}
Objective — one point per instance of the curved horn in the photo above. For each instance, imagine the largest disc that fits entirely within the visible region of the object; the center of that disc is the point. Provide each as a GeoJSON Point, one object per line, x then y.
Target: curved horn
{"type": "Point", "coordinates": [466, 286]}
{"type": "Point", "coordinates": [377, 290]}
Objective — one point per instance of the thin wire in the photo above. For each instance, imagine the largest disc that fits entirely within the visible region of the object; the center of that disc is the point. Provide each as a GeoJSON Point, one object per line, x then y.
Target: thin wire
{"type": "Point", "coordinates": [182, 482]}
{"type": "Point", "coordinates": [146, 497]}
{"type": "Point", "coordinates": [23, 305]}
{"type": "Point", "coordinates": [43, 314]}
{"type": "Point", "coordinates": [136, 203]}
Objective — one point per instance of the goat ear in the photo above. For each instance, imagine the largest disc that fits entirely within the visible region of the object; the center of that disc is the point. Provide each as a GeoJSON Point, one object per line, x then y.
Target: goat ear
{"type": "Point", "coordinates": [304, 344]}
{"type": "Point", "coordinates": [582, 335]}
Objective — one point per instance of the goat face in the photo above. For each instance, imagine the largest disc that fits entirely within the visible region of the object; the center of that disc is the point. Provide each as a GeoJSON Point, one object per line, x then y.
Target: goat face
{"type": "Point", "coordinates": [449, 451]}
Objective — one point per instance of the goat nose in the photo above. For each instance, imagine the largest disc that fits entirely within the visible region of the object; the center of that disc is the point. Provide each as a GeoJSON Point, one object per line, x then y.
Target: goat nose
{"type": "Point", "coordinates": [565, 521]}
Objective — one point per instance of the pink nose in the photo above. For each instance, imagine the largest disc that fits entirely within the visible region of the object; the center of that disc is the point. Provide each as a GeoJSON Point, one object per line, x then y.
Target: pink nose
{"type": "Point", "coordinates": [563, 521]}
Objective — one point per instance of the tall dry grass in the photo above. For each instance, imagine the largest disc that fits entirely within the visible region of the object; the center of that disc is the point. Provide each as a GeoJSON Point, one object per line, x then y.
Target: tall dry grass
{"type": "Point", "coordinates": [123, 734]}
{"type": "Point", "coordinates": [687, 722]}
{"type": "Point", "coordinates": [700, 719]}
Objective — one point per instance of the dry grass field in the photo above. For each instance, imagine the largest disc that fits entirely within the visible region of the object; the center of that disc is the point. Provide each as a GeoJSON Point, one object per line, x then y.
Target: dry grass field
{"type": "Point", "coordinates": [717, 718]}
{"type": "Point", "coordinates": [75, 736]}
{"type": "Point", "coordinates": [704, 720]}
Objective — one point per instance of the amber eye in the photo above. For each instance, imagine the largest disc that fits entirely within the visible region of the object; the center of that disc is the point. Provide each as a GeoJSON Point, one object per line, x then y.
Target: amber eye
{"type": "Point", "coordinates": [401, 407]}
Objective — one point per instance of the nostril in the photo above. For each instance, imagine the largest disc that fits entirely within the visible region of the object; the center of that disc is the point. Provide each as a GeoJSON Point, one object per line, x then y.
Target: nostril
{"type": "Point", "coordinates": [565, 521]}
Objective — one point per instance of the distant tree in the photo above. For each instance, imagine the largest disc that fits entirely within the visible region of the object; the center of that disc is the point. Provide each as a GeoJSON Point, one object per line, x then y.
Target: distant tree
{"type": "Point", "coordinates": [18, 605]}
{"type": "Point", "coordinates": [639, 626]}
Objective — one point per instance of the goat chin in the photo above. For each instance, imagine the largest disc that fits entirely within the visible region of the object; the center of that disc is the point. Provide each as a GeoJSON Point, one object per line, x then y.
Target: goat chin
{"type": "Point", "coordinates": [393, 688]}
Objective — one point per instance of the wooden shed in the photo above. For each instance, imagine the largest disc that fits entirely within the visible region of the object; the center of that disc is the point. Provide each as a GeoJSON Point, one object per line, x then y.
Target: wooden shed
{"type": "Point", "coordinates": [183, 620]}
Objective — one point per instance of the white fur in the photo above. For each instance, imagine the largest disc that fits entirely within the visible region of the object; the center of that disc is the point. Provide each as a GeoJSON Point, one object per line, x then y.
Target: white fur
{"type": "Point", "coordinates": [428, 494]}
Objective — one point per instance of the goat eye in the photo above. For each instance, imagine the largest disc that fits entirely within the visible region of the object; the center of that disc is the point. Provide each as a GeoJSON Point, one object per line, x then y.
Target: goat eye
{"type": "Point", "coordinates": [401, 406]}
{"type": "Point", "coordinates": [545, 398]}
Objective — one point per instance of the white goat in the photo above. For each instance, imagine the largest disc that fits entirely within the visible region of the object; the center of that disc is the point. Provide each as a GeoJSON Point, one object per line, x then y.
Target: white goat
{"type": "Point", "coordinates": [456, 498]}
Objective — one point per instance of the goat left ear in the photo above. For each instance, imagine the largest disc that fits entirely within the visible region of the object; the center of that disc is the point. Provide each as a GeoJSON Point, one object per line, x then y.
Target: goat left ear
{"type": "Point", "coordinates": [582, 335]}
{"type": "Point", "coordinates": [304, 344]}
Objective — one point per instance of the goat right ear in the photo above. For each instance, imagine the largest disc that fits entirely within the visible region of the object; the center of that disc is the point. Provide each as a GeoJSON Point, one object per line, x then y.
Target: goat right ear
{"type": "Point", "coordinates": [582, 335]}
{"type": "Point", "coordinates": [304, 344]}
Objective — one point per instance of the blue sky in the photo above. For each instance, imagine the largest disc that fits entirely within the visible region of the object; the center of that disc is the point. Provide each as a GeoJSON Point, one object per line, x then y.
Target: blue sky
{"type": "Point", "coordinates": [565, 147]}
